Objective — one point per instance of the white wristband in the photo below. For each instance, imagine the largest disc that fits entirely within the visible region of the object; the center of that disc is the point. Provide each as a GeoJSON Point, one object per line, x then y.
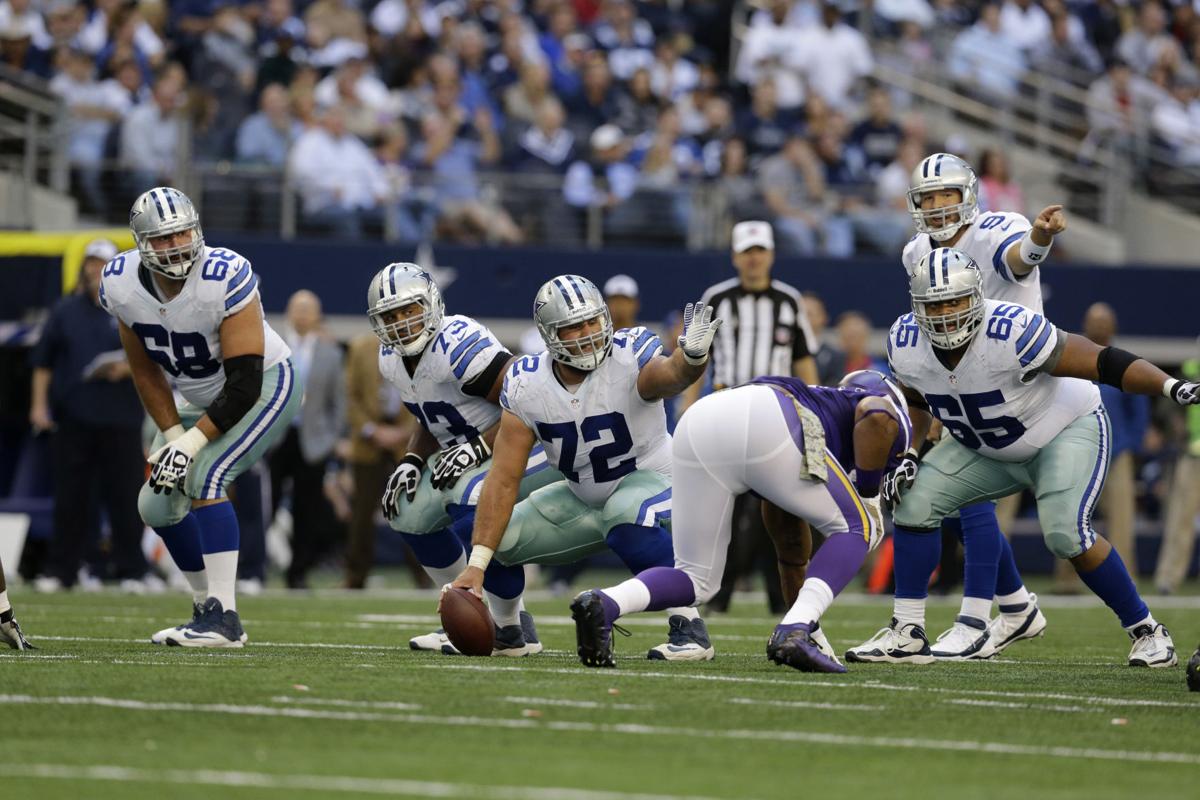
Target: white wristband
{"type": "Point", "coordinates": [192, 442]}
{"type": "Point", "coordinates": [174, 432]}
{"type": "Point", "coordinates": [1033, 253]}
{"type": "Point", "coordinates": [695, 362]}
{"type": "Point", "coordinates": [1168, 386]}
{"type": "Point", "coordinates": [480, 557]}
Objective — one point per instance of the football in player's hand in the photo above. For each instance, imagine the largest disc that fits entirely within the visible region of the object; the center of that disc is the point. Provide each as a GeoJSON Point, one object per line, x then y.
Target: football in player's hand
{"type": "Point", "coordinates": [467, 622]}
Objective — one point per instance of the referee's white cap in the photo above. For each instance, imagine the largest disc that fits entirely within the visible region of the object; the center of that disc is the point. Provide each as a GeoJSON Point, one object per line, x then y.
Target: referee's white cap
{"type": "Point", "coordinates": [621, 286]}
{"type": "Point", "coordinates": [102, 249]}
{"type": "Point", "coordinates": [753, 233]}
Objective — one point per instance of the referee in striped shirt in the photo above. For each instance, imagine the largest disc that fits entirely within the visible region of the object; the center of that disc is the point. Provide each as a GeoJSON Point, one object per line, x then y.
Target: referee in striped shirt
{"type": "Point", "coordinates": [766, 332]}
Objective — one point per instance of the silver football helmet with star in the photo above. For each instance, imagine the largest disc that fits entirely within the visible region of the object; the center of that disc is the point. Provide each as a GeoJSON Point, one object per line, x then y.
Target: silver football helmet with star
{"type": "Point", "coordinates": [939, 172]}
{"type": "Point", "coordinates": [947, 274]}
{"type": "Point", "coordinates": [394, 287]}
{"type": "Point", "coordinates": [569, 300]}
{"type": "Point", "coordinates": [163, 211]}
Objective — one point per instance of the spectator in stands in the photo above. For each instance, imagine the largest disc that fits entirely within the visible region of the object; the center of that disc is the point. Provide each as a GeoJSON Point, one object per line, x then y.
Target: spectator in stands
{"type": "Point", "coordinates": [363, 98]}
{"type": "Point", "coordinates": [276, 17]}
{"type": "Point", "coordinates": [831, 362]}
{"type": "Point", "coordinates": [94, 108]}
{"type": "Point", "coordinates": [605, 181]}
{"type": "Point", "coordinates": [303, 455]}
{"type": "Point", "coordinates": [266, 136]}
{"type": "Point", "coordinates": [82, 390]}
{"type": "Point", "coordinates": [471, 50]}
{"type": "Point", "coordinates": [997, 190]}
{"type": "Point", "coordinates": [64, 23]}
{"type": "Point", "coordinates": [878, 136]}
{"type": "Point", "coordinates": [596, 102]}
{"type": "Point", "coordinates": [1144, 45]}
{"type": "Point", "coordinates": [17, 50]}
{"type": "Point", "coordinates": [341, 200]}
{"type": "Point", "coordinates": [392, 17]}
{"type": "Point", "coordinates": [626, 39]}
{"type": "Point", "coordinates": [764, 126]}
{"type": "Point", "coordinates": [672, 76]}
{"type": "Point", "coordinates": [123, 42]}
{"type": "Point", "coordinates": [1071, 58]}
{"type": "Point", "coordinates": [1119, 108]}
{"type": "Point", "coordinates": [411, 209]}
{"type": "Point", "coordinates": [711, 129]}
{"type": "Point", "coordinates": [282, 54]}
{"type": "Point", "coordinates": [563, 46]}
{"type": "Point", "coordinates": [834, 57]}
{"type": "Point", "coordinates": [25, 15]}
{"type": "Point", "coordinates": [522, 100]}
{"type": "Point", "coordinates": [667, 163]}
{"type": "Point", "coordinates": [545, 147]}
{"type": "Point", "coordinates": [96, 32]}
{"type": "Point", "coordinates": [1025, 23]}
{"type": "Point", "coordinates": [893, 181]}
{"type": "Point", "coordinates": [638, 106]}
{"type": "Point", "coordinates": [985, 61]}
{"type": "Point", "coordinates": [854, 341]}
{"type": "Point", "coordinates": [1176, 123]}
{"type": "Point", "coordinates": [793, 187]}
{"type": "Point", "coordinates": [1101, 20]}
{"type": "Point", "coordinates": [338, 19]}
{"type": "Point", "coordinates": [1129, 416]}
{"type": "Point", "coordinates": [737, 188]}
{"type": "Point", "coordinates": [150, 135]}
{"type": "Point", "coordinates": [1179, 531]}
{"type": "Point", "coordinates": [768, 56]}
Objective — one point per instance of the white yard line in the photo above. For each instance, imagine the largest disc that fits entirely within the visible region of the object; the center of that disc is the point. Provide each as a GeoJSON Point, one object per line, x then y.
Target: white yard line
{"type": "Point", "coordinates": [746, 701]}
{"type": "Point", "coordinates": [1020, 706]}
{"type": "Point", "coordinates": [554, 701]}
{"type": "Point", "coordinates": [809, 737]}
{"type": "Point", "coordinates": [389, 705]}
{"type": "Point", "coordinates": [321, 783]}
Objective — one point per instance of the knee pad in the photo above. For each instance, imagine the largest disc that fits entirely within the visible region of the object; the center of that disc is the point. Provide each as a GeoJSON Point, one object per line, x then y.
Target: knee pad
{"type": "Point", "coordinates": [1063, 543]}
{"type": "Point", "coordinates": [914, 512]}
{"type": "Point", "coordinates": [162, 510]}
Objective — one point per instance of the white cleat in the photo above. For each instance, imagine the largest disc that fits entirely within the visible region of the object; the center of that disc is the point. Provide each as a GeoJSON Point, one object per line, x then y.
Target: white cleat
{"type": "Point", "coordinates": [515, 641]}
{"type": "Point", "coordinates": [895, 644]}
{"type": "Point", "coordinates": [166, 633]}
{"type": "Point", "coordinates": [687, 640]}
{"type": "Point", "coordinates": [1152, 647]}
{"type": "Point", "coordinates": [434, 642]}
{"type": "Point", "coordinates": [967, 640]}
{"type": "Point", "coordinates": [216, 627]}
{"type": "Point", "coordinates": [1007, 628]}
{"type": "Point", "coordinates": [818, 638]}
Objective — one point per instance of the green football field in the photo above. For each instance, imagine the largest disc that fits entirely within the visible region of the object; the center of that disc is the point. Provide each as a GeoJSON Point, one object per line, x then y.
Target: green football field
{"type": "Point", "coordinates": [328, 701]}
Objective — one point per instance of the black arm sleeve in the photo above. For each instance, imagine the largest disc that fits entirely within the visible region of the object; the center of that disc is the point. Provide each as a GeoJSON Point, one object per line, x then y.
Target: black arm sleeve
{"type": "Point", "coordinates": [243, 385]}
{"type": "Point", "coordinates": [481, 385]}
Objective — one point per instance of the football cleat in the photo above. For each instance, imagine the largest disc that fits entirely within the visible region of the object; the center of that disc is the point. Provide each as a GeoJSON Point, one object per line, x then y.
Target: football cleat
{"type": "Point", "coordinates": [818, 638]}
{"type": "Point", "coordinates": [162, 636]}
{"type": "Point", "coordinates": [794, 646]}
{"type": "Point", "coordinates": [896, 644]}
{"type": "Point", "coordinates": [1152, 647]}
{"type": "Point", "coordinates": [1027, 623]}
{"type": "Point", "coordinates": [11, 633]}
{"type": "Point", "coordinates": [593, 634]}
{"type": "Point", "coordinates": [1193, 672]}
{"type": "Point", "coordinates": [687, 640]}
{"type": "Point", "coordinates": [215, 628]}
{"type": "Point", "coordinates": [434, 642]}
{"type": "Point", "coordinates": [967, 640]}
{"type": "Point", "coordinates": [517, 640]}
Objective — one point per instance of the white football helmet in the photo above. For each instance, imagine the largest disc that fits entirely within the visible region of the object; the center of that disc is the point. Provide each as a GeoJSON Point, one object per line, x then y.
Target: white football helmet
{"type": "Point", "coordinates": [161, 212]}
{"type": "Point", "coordinates": [939, 172]}
{"type": "Point", "coordinates": [398, 285]}
{"type": "Point", "coordinates": [947, 274]}
{"type": "Point", "coordinates": [569, 300]}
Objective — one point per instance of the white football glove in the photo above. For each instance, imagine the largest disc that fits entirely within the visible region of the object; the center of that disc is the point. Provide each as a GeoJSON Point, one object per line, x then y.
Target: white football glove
{"type": "Point", "coordinates": [699, 328]}
{"type": "Point", "coordinates": [1186, 393]}
{"type": "Point", "coordinates": [456, 460]}
{"type": "Point", "coordinates": [875, 515]}
{"type": "Point", "coordinates": [403, 481]}
{"type": "Point", "coordinates": [171, 462]}
{"type": "Point", "coordinates": [900, 479]}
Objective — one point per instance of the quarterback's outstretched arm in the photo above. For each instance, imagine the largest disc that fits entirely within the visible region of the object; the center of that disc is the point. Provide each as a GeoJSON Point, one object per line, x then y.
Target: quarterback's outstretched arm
{"type": "Point", "coordinates": [1082, 358]}
{"type": "Point", "coordinates": [1035, 246]}
{"type": "Point", "coordinates": [149, 380]}
{"type": "Point", "coordinates": [497, 498]}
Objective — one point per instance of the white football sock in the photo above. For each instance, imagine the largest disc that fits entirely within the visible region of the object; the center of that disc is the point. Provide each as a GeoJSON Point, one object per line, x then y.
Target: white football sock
{"type": "Point", "coordinates": [906, 611]}
{"type": "Point", "coordinates": [631, 596]}
{"type": "Point", "coordinates": [814, 599]}
{"type": "Point", "coordinates": [443, 575]}
{"type": "Point", "coordinates": [1148, 620]}
{"type": "Point", "coordinates": [198, 581]}
{"type": "Point", "coordinates": [976, 607]}
{"type": "Point", "coordinates": [1018, 598]}
{"type": "Point", "coordinates": [687, 612]}
{"type": "Point", "coordinates": [4, 604]}
{"type": "Point", "coordinates": [505, 612]}
{"type": "Point", "coordinates": [222, 577]}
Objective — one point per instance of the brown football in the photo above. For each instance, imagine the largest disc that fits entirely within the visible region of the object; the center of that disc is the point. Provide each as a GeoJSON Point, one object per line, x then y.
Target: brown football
{"type": "Point", "coordinates": [467, 623]}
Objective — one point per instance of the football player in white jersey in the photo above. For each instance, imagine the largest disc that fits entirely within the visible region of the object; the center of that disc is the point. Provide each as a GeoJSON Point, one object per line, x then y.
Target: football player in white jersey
{"type": "Point", "coordinates": [190, 314]}
{"type": "Point", "coordinates": [1016, 395]}
{"type": "Point", "coordinates": [10, 631]}
{"type": "Point", "coordinates": [594, 400]}
{"type": "Point", "coordinates": [943, 201]}
{"type": "Point", "coordinates": [449, 371]}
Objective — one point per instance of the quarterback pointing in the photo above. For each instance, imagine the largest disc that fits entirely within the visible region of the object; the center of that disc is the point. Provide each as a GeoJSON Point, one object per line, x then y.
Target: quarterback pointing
{"type": "Point", "coordinates": [191, 313]}
{"type": "Point", "coordinates": [594, 401]}
{"type": "Point", "coordinates": [1005, 383]}
{"type": "Point", "coordinates": [943, 202]}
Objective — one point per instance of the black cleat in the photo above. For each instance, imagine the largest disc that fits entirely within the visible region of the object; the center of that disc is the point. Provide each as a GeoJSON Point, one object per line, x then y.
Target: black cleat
{"type": "Point", "coordinates": [593, 634]}
{"type": "Point", "coordinates": [1193, 671]}
{"type": "Point", "coordinates": [793, 646]}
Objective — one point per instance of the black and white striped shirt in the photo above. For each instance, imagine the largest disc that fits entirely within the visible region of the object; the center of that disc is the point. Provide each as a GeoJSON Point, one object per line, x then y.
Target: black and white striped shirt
{"type": "Point", "coordinates": [763, 334]}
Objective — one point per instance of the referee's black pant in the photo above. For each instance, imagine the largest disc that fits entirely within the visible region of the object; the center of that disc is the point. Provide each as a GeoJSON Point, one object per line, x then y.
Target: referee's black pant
{"type": "Point", "coordinates": [313, 524]}
{"type": "Point", "coordinates": [90, 462]}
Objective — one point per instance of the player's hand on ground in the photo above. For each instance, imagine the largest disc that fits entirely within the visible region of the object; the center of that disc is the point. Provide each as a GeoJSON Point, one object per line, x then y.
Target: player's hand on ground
{"type": "Point", "coordinates": [699, 329]}
{"type": "Point", "coordinates": [1052, 220]}
{"type": "Point", "coordinates": [403, 483]}
{"type": "Point", "coordinates": [456, 460]}
{"type": "Point", "coordinates": [898, 481]}
{"type": "Point", "coordinates": [470, 579]}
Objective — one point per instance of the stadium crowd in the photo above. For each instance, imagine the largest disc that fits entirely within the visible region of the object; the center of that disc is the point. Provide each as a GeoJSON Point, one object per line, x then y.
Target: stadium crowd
{"type": "Point", "coordinates": [618, 107]}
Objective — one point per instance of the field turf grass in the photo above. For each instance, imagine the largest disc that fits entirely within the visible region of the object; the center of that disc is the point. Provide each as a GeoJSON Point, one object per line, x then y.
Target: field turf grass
{"type": "Point", "coordinates": [328, 701]}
